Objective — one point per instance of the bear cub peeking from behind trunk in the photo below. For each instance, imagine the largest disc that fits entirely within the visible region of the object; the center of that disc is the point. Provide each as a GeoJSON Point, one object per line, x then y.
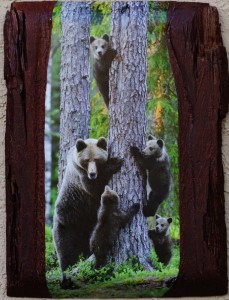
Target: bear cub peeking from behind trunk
{"type": "Point", "coordinates": [110, 220]}
{"type": "Point", "coordinates": [88, 171]}
{"type": "Point", "coordinates": [103, 56]}
{"type": "Point", "coordinates": [161, 239]}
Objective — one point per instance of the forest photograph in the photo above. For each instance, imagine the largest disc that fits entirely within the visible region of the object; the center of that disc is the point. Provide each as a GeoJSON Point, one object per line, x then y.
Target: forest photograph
{"type": "Point", "coordinates": [111, 152]}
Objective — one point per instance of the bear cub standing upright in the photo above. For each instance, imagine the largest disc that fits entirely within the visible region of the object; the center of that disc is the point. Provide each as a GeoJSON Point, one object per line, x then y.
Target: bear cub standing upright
{"type": "Point", "coordinates": [88, 171]}
{"type": "Point", "coordinates": [110, 220]}
{"type": "Point", "coordinates": [103, 56]}
{"type": "Point", "coordinates": [155, 160]}
{"type": "Point", "coordinates": [161, 239]}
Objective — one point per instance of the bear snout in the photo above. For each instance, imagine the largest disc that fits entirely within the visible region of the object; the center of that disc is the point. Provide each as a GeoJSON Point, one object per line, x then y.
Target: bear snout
{"type": "Point", "coordinates": [92, 175]}
{"type": "Point", "coordinates": [92, 170]}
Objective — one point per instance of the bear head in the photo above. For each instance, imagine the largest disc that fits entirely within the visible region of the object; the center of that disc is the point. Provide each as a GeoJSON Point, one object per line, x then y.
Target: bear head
{"type": "Point", "coordinates": [154, 147]}
{"type": "Point", "coordinates": [99, 46]}
{"type": "Point", "coordinates": [91, 155]}
{"type": "Point", "coordinates": [162, 224]}
{"type": "Point", "coordinates": [109, 198]}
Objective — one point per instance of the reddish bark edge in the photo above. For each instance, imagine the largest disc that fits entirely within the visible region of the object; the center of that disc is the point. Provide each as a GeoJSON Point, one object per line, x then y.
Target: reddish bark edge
{"type": "Point", "coordinates": [27, 34]}
{"type": "Point", "coordinates": [199, 63]}
{"type": "Point", "coordinates": [200, 67]}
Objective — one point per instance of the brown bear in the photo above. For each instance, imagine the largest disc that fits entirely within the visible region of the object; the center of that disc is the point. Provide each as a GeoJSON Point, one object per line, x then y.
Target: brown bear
{"type": "Point", "coordinates": [110, 220]}
{"type": "Point", "coordinates": [154, 159]}
{"type": "Point", "coordinates": [103, 56]}
{"type": "Point", "coordinates": [161, 239]}
{"type": "Point", "coordinates": [88, 171]}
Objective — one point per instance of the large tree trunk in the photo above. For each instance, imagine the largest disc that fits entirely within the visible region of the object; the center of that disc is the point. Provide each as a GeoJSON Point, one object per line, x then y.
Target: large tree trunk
{"type": "Point", "coordinates": [48, 143]}
{"type": "Point", "coordinates": [128, 91]}
{"type": "Point", "coordinates": [199, 63]}
{"type": "Point", "coordinates": [75, 77]}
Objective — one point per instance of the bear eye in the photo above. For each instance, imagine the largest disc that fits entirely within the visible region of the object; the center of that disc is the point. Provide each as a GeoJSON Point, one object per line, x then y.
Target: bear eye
{"type": "Point", "coordinates": [96, 47]}
{"type": "Point", "coordinates": [162, 225]}
{"type": "Point", "coordinates": [156, 223]}
{"type": "Point", "coordinates": [102, 47]}
{"type": "Point", "coordinates": [151, 148]}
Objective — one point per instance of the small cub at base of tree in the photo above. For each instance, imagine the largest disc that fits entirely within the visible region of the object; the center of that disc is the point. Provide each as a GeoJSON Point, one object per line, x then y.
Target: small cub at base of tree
{"type": "Point", "coordinates": [110, 220]}
{"type": "Point", "coordinates": [161, 239]}
{"type": "Point", "coordinates": [155, 161]}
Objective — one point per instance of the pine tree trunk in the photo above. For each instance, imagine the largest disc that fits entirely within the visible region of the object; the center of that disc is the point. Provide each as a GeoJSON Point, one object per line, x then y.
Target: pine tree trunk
{"type": "Point", "coordinates": [48, 143]}
{"type": "Point", "coordinates": [75, 77]}
{"type": "Point", "coordinates": [128, 91]}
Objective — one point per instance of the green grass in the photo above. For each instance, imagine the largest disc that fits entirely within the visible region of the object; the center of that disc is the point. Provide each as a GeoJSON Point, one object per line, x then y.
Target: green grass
{"type": "Point", "coordinates": [129, 280]}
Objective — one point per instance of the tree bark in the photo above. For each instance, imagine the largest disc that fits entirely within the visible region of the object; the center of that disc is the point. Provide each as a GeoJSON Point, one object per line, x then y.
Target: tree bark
{"type": "Point", "coordinates": [199, 63]}
{"type": "Point", "coordinates": [75, 77]}
{"type": "Point", "coordinates": [48, 143]}
{"type": "Point", "coordinates": [27, 33]}
{"type": "Point", "coordinates": [127, 113]}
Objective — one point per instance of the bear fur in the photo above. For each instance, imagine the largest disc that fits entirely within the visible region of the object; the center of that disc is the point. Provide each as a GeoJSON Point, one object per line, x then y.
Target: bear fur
{"type": "Point", "coordinates": [103, 56]}
{"type": "Point", "coordinates": [161, 239]}
{"type": "Point", "coordinates": [155, 161]}
{"type": "Point", "coordinates": [87, 173]}
{"type": "Point", "coordinates": [110, 220]}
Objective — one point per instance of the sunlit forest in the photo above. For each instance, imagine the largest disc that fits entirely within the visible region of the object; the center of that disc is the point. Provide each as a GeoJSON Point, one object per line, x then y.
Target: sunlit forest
{"type": "Point", "coordinates": [162, 122]}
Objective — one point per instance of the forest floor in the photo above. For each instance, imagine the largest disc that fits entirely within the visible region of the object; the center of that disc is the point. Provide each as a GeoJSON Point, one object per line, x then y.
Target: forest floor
{"type": "Point", "coordinates": [129, 280]}
{"type": "Point", "coordinates": [148, 287]}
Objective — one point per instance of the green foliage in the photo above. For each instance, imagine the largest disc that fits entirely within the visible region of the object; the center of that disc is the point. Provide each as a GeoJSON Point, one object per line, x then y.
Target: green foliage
{"type": "Point", "coordinates": [162, 96]}
{"type": "Point", "coordinates": [56, 19]}
{"type": "Point", "coordinates": [50, 254]}
{"type": "Point", "coordinates": [130, 279]}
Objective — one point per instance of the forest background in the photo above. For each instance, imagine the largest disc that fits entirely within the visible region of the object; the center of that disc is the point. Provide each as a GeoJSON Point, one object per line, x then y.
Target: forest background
{"type": "Point", "coordinates": [162, 109]}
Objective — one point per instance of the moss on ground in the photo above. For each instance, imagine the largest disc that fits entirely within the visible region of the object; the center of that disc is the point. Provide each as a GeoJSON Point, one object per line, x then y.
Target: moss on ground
{"type": "Point", "coordinates": [130, 280]}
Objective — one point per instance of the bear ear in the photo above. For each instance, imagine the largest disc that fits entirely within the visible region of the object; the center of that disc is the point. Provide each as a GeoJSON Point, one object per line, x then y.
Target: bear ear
{"type": "Point", "coordinates": [151, 137]}
{"type": "Point", "coordinates": [102, 143]}
{"type": "Point", "coordinates": [106, 37]}
{"type": "Point", "coordinates": [160, 143]}
{"type": "Point", "coordinates": [80, 145]}
{"type": "Point", "coordinates": [157, 216]}
{"type": "Point", "coordinates": [92, 39]}
{"type": "Point", "coordinates": [169, 220]}
{"type": "Point", "coordinates": [107, 188]}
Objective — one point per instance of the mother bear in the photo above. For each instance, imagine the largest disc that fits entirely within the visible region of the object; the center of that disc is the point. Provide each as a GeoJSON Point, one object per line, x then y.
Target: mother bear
{"type": "Point", "coordinates": [88, 171]}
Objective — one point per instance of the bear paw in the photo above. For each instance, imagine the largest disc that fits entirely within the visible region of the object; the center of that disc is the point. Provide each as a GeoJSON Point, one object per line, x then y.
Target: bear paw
{"type": "Point", "coordinates": [134, 151]}
{"type": "Point", "coordinates": [114, 164]}
{"type": "Point", "coordinates": [136, 207]}
{"type": "Point", "coordinates": [67, 284]}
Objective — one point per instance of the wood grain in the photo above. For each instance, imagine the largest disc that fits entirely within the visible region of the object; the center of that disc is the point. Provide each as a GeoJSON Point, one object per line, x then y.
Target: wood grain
{"type": "Point", "coordinates": [199, 63]}
{"type": "Point", "coordinates": [200, 68]}
{"type": "Point", "coordinates": [27, 45]}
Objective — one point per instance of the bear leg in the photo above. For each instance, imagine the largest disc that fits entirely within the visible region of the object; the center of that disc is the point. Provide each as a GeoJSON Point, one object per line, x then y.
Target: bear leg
{"type": "Point", "coordinates": [69, 246]}
{"type": "Point", "coordinates": [151, 207]}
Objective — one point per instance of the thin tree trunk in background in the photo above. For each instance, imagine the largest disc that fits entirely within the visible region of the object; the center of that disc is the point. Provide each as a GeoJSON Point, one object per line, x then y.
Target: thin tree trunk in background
{"type": "Point", "coordinates": [75, 77]}
{"type": "Point", "coordinates": [48, 143]}
{"type": "Point", "coordinates": [127, 112]}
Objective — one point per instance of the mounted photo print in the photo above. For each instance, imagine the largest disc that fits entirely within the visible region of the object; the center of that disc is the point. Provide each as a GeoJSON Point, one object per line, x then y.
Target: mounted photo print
{"type": "Point", "coordinates": [114, 177]}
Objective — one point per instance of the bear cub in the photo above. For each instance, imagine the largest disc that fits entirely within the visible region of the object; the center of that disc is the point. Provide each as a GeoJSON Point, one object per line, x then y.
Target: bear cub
{"type": "Point", "coordinates": [110, 220]}
{"type": "Point", "coordinates": [103, 56]}
{"type": "Point", "coordinates": [161, 239]}
{"type": "Point", "coordinates": [155, 161]}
